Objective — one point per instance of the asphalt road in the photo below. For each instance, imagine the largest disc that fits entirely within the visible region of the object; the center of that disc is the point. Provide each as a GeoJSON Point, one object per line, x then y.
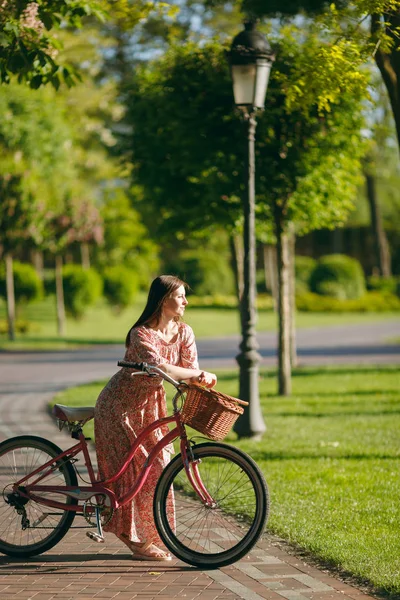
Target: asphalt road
{"type": "Point", "coordinates": [28, 380]}
{"type": "Point", "coordinates": [339, 344]}
{"type": "Point", "coordinates": [48, 372]}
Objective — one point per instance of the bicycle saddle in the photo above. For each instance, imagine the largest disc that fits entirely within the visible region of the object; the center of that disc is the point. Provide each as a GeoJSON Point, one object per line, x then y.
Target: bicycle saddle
{"type": "Point", "coordinates": [72, 414]}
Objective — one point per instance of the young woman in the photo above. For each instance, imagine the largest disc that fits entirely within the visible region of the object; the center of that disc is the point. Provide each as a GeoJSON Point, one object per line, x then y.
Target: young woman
{"type": "Point", "coordinates": [129, 404]}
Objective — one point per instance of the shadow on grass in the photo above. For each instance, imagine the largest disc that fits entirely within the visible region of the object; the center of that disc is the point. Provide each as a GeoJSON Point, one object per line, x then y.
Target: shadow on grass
{"type": "Point", "coordinates": [334, 415]}
{"type": "Point", "coordinates": [353, 370]}
{"type": "Point", "coordinates": [283, 456]}
{"type": "Point", "coordinates": [345, 393]}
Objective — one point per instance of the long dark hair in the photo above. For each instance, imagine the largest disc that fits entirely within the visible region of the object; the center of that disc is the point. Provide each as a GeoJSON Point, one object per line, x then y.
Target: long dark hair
{"type": "Point", "coordinates": [162, 287]}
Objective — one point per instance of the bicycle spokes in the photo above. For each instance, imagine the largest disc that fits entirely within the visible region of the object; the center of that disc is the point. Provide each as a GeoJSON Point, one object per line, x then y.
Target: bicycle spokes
{"type": "Point", "coordinates": [27, 526]}
{"type": "Point", "coordinates": [222, 523]}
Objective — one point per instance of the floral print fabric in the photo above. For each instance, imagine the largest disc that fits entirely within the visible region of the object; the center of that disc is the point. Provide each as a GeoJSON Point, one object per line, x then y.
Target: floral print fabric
{"type": "Point", "coordinates": [124, 408]}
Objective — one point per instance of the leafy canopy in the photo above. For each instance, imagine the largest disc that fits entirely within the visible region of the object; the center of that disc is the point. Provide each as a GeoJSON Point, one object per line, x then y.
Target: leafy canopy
{"type": "Point", "coordinates": [29, 49]}
{"type": "Point", "coordinates": [189, 147]}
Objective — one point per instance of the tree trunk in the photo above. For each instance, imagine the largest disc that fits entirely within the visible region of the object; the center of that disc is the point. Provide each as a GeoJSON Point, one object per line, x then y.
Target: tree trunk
{"type": "Point", "coordinates": [10, 296]}
{"type": "Point", "coordinates": [236, 244]}
{"type": "Point", "coordinates": [270, 272]}
{"type": "Point", "coordinates": [37, 259]}
{"type": "Point", "coordinates": [284, 368]}
{"type": "Point", "coordinates": [382, 252]}
{"type": "Point", "coordinates": [60, 297]}
{"type": "Point", "coordinates": [389, 63]}
{"type": "Point", "coordinates": [292, 295]}
{"type": "Point", "coordinates": [85, 256]}
{"type": "Point", "coordinates": [337, 241]}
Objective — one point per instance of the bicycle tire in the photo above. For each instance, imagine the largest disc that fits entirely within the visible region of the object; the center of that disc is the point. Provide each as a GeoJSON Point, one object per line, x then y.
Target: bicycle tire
{"type": "Point", "coordinates": [18, 457]}
{"type": "Point", "coordinates": [219, 536]}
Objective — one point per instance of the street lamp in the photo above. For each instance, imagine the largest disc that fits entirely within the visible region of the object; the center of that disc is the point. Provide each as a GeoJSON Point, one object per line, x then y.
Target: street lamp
{"type": "Point", "coordinates": [250, 58]}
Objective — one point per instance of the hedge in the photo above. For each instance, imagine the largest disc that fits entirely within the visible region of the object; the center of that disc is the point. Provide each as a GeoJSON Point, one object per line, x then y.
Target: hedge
{"type": "Point", "coordinates": [121, 285]}
{"type": "Point", "coordinates": [82, 288]}
{"type": "Point", "coordinates": [27, 283]}
{"type": "Point", "coordinates": [370, 302]}
{"type": "Point", "coordinates": [339, 276]}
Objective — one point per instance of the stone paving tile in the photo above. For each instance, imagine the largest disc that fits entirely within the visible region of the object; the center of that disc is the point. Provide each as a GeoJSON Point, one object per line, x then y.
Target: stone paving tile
{"type": "Point", "coordinates": [68, 574]}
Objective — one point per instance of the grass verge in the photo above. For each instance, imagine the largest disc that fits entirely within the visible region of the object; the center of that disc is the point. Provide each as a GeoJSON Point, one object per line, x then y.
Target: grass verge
{"type": "Point", "coordinates": [331, 459]}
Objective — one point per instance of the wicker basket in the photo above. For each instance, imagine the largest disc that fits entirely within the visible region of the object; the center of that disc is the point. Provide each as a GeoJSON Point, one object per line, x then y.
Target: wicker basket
{"type": "Point", "coordinates": [210, 412]}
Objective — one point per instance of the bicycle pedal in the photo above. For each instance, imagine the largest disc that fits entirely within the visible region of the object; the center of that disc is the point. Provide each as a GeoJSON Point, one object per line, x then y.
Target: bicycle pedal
{"type": "Point", "coordinates": [95, 537]}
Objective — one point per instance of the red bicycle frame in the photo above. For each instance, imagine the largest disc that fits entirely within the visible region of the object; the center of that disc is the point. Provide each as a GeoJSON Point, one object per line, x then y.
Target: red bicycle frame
{"type": "Point", "coordinates": [32, 489]}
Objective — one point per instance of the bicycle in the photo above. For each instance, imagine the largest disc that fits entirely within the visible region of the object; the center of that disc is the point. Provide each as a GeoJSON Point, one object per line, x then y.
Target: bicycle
{"type": "Point", "coordinates": [212, 483]}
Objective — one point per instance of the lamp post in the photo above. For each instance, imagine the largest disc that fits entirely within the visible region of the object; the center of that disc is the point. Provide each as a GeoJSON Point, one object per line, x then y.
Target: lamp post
{"type": "Point", "coordinates": [250, 59]}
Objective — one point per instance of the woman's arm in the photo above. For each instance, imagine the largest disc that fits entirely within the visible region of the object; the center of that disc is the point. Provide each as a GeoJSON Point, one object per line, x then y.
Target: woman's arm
{"type": "Point", "coordinates": [193, 375]}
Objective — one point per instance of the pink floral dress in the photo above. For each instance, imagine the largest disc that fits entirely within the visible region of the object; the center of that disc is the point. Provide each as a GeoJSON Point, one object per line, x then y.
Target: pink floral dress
{"type": "Point", "coordinates": [124, 408]}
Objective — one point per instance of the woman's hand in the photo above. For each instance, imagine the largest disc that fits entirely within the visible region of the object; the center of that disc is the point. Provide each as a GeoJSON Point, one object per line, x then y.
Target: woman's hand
{"type": "Point", "coordinates": [209, 380]}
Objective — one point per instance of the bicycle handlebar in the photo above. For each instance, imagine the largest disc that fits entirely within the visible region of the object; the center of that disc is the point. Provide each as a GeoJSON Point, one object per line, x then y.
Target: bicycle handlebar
{"type": "Point", "coordinates": [132, 365]}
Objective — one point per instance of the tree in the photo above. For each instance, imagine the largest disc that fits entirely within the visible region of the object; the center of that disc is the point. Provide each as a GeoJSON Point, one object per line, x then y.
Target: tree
{"type": "Point", "coordinates": [29, 49]}
{"type": "Point", "coordinates": [32, 35]}
{"type": "Point", "coordinates": [126, 239]}
{"type": "Point", "coordinates": [32, 172]}
{"type": "Point", "coordinates": [189, 156]}
{"type": "Point", "coordinates": [352, 43]}
{"type": "Point", "coordinates": [375, 166]}
{"type": "Point", "coordinates": [88, 228]}
{"type": "Point", "coordinates": [17, 223]}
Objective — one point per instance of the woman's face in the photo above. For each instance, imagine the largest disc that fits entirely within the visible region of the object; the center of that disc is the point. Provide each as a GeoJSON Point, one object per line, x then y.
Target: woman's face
{"type": "Point", "coordinates": [175, 304]}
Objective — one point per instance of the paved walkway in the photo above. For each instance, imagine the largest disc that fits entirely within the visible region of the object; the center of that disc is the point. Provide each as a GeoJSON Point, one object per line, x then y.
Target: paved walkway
{"type": "Point", "coordinates": [80, 568]}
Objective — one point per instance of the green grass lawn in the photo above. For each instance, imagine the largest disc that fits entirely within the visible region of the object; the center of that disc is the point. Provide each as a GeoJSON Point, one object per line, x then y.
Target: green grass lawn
{"type": "Point", "coordinates": [102, 326]}
{"type": "Point", "coordinates": [331, 458]}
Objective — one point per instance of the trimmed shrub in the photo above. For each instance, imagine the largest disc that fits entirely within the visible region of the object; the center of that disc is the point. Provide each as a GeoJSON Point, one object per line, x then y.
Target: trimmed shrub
{"type": "Point", "coordinates": [383, 284]}
{"type": "Point", "coordinates": [370, 302]}
{"type": "Point", "coordinates": [82, 288]}
{"type": "Point", "coordinates": [338, 276]}
{"type": "Point", "coordinates": [120, 286]}
{"type": "Point", "coordinates": [27, 284]}
{"type": "Point", "coordinates": [206, 271]}
{"type": "Point", "coordinates": [213, 301]}
{"type": "Point", "coordinates": [264, 302]}
{"type": "Point", "coordinates": [304, 266]}
{"type": "Point", "coordinates": [21, 326]}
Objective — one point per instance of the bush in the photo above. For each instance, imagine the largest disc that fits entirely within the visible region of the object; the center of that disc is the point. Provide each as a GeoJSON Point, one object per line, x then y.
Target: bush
{"type": "Point", "coordinates": [213, 301]}
{"type": "Point", "coordinates": [339, 276]}
{"type": "Point", "coordinates": [82, 288]}
{"type": "Point", "coordinates": [206, 271]}
{"type": "Point", "coordinates": [264, 302]}
{"type": "Point", "coordinates": [383, 284]}
{"type": "Point", "coordinates": [21, 326]}
{"type": "Point", "coordinates": [370, 302]}
{"type": "Point", "coordinates": [120, 286]}
{"type": "Point", "coordinates": [304, 266]}
{"type": "Point", "coordinates": [27, 284]}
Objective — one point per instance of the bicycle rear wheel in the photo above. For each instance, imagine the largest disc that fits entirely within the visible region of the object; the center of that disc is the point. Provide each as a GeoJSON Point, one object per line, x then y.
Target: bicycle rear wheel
{"type": "Point", "coordinates": [28, 528]}
{"type": "Point", "coordinates": [212, 537]}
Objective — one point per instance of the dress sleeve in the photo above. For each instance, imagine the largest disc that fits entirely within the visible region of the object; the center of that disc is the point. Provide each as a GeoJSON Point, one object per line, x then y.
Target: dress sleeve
{"type": "Point", "coordinates": [188, 358]}
{"type": "Point", "coordinates": [142, 348]}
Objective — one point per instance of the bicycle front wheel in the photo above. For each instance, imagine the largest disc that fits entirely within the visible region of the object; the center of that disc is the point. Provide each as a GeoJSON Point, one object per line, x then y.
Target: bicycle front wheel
{"type": "Point", "coordinates": [220, 534]}
{"type": "Point", "coordinates": [28, 528]}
